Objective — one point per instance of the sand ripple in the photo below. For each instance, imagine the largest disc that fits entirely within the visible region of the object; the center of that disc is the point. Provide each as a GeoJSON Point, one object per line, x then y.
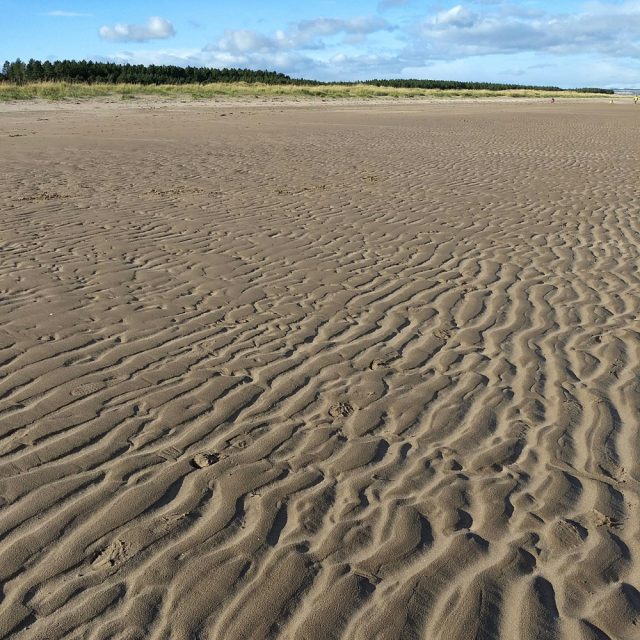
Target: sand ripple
{"type": "Point", "coordinates": [316, 374]}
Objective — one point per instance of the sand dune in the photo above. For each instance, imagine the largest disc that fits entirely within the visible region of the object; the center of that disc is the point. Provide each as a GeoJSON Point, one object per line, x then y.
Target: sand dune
{"type": "Point", "coordinates": [323, 372]}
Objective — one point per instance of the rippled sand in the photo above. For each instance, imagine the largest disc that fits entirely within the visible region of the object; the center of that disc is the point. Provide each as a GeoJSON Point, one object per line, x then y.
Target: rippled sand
{"type": "Point", "coordinates": [320, 372]}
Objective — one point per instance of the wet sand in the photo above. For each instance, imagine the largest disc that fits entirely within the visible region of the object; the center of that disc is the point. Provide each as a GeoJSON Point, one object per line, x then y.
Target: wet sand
{"type": "Point", "coordinates": [331, 371]}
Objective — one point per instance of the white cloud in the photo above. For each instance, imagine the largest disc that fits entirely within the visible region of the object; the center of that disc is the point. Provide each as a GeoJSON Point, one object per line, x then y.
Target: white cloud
{"type": "Point", "coordinates": [307, 34]}
{"type": "Point", "coordinates": [457, 16]}
{"type": "Point", "coordinates": [331, 26]}
{"type": "Point", "coordinates": [155, 29]}
{"type": "Point", "coordinates": [599, 28]}
{"type": "Point", "coordinates": [246, 40]}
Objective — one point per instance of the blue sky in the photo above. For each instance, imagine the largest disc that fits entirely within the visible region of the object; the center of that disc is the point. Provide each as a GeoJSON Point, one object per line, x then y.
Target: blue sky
{"type": "Point", "coordinates": [565, 43]}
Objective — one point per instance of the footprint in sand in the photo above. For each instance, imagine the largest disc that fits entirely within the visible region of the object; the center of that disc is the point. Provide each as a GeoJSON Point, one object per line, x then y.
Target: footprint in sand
{"type": "Point", "coordinates": [115, 554]}
{"type": "Point", "coordinates": [341, 410]}
{"type": "Point", "coordinates": [202, 460]}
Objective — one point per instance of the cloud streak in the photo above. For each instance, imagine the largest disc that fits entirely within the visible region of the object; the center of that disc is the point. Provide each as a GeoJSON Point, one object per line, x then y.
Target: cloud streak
{"type": "Point", "coordinates": [67, 14]}
{"type": "Point", "coordinates": [383, 5]}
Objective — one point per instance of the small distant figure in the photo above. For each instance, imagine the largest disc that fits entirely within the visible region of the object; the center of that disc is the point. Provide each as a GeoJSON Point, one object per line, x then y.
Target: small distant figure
{"type": "Point", "coordinates": [635, 99]}
{"type": "Point", "coordinates": [610, 101]}
{"type": "Point", "coordinates": [553, 100]}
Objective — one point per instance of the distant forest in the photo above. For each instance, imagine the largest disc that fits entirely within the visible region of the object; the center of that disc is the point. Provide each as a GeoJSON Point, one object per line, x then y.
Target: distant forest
{"type": "Point", "coordinates": [88, 72]}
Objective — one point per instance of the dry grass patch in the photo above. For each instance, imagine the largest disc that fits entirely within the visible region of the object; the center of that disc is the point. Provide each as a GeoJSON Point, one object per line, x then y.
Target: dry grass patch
{"type": "Point", "coordinates": [66, 90]}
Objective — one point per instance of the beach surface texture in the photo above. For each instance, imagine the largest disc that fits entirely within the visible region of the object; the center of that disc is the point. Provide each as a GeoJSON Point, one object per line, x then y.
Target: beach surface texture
{"type": "Point", "coordinates": [320, 371]}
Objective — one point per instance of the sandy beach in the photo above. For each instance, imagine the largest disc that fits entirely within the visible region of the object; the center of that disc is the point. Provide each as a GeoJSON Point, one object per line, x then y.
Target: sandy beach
{"type": "Point", "coordinates": [320, 371]}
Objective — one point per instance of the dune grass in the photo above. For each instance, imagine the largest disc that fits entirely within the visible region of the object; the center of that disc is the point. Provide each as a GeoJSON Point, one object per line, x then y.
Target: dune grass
{"type": "Point", "coordinates": [66, 90]}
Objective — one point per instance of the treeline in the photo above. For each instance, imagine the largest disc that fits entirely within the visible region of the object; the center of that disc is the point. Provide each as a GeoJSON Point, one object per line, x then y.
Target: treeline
{"type": "Point", "coordinates": [89, 72]}
{"type": "Point", "coordinates": [455, 84]}
{"type": "Point", "coordinates": [609, 92]}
